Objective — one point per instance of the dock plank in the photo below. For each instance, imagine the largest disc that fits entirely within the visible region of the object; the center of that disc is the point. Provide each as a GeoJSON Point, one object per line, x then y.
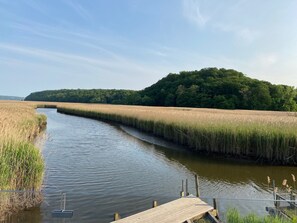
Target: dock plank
{"type": "Point", "coordinates": [176, 211]}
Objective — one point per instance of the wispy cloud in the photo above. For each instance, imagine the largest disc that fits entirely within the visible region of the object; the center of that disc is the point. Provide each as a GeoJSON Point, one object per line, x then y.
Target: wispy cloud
{"type": "Point", "coordinates": [120, 66]}
{"type": "Point", "coordinates": [156, 52]}
{"type": "Point", "coordinates": [244, 34]}
{"type": "Point", "coordinates": [248, 35]}
{"type": "Point", "coordinates": [79, 9]}
{"type": "Point", "coordinates": [52, 55]}
{"type": "Point", "coordinates": [63, 35]}
{"type": "Point", "coordinates": [36, 6]}
{"type": "Point", "coordinates": [266, 60]}
{"type": "Point", "coordinates": [217, 16]}
{"type": "Point", "coordinates": [192, 12]}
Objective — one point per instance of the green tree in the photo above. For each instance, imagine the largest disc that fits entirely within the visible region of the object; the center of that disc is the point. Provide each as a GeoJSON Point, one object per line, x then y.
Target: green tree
{"type": "Point", "coordinates": [260, 98]}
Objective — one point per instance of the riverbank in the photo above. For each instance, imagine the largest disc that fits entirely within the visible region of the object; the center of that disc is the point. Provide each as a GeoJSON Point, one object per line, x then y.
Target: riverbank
{"type": "Point", "coordinates": [117, 170]}
{"type": "Point", "coordinates": [264, 136]}
{"type": "Point", "coordinates": [21, 163]}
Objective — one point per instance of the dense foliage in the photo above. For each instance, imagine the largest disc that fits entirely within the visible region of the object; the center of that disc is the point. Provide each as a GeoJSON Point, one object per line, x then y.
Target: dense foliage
{"type": "Point", "coordinates": [86, 96]}
{"type": "Point", "coordinates": [220, 88]}
{"type": "Point", "coordinates": [207, 88]}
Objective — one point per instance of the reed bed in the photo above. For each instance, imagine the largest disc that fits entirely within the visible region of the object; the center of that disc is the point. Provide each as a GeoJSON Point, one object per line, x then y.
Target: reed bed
{"type": "Point", "coordinates": [21, 164]}
{"type": "Point", "coordinates": [233, 216]}
{"type": "Point", "coordinates": [263, 135]}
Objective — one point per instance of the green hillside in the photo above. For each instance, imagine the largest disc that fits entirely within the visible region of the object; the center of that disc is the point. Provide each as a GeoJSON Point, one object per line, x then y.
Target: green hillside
{"type": "Point", "coordinates": [207, 88]}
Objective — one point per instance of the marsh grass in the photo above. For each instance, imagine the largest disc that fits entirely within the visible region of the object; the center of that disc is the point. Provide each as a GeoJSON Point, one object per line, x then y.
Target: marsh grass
{"type": "Point", "coordinates": [13, 202]}
{"type": "Point", "coordinates": [262, 135]}
{"type": "Point", "coordinates": [21, 164]}
{"type": "Point", "coordinates": [233, 216]}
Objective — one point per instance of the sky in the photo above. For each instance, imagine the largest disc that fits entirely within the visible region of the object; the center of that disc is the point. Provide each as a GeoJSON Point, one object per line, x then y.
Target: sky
{"type": "Point", "coordinates": [131, 44]}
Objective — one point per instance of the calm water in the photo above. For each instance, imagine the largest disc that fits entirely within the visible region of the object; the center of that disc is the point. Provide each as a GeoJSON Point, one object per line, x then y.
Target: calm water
{"type": "Point", "coordinates": [106, 169]}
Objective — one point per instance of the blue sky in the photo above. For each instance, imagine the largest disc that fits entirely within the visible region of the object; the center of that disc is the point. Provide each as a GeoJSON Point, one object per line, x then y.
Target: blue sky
{"type": "Point", "coordinates": [130, 44]}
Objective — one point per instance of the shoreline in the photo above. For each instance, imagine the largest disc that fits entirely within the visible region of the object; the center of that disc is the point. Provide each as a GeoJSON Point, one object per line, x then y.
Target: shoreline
{"type": "Point", "coordinates": [19, 190]}
{"type": "Point", "coordinates": [179, 137]}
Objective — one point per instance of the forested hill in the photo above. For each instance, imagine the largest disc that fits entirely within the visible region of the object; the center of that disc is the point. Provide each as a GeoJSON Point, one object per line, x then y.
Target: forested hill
{"type": "Point", "coordinates": [220, 88]}
{"type": "Point", "coordinates": [207, 88]}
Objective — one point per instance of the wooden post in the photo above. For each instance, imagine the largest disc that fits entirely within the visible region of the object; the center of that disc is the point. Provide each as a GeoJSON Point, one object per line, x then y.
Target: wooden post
{"type": "Point", "coordinates": [214, 203]}
{"type": "Point", "coordinates": [116, 216]}
{"type": "Point", "coordinates": [187, 191]}
{"type": "Point", "coordinates": [274, 192]}
{"type": "Point", "coordinates": [182, 193]}
{"type": "Point", "coordinates": [155, 204]}
{"type": "Point", "coordinates": [197, 186]}
{"type": "Point", "coordinates": [215, 206]}
{"type": "Point", "coordinates": [277, 201]}
{"type": "Point", "coordinates": [292, 198]}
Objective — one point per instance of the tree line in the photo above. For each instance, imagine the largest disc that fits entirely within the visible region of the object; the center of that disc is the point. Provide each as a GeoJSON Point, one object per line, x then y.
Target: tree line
{"type": "Point", "coordinates": [104, 96]}
{"type": "Point", "coordinates": [207, 88]}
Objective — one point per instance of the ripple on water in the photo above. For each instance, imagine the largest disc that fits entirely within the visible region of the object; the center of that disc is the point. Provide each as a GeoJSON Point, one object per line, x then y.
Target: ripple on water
{"type": "Point", "coordinates": [105, 170]}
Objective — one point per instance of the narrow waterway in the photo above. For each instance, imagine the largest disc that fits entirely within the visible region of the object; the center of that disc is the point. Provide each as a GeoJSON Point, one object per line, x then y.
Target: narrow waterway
{"type": "Point", "coordinates": [105, 169]}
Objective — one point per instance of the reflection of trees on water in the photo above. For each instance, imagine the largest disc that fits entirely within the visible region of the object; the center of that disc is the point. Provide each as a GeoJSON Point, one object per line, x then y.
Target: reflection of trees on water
{"type": "Point", "coordinates": [216, 168]}
{"type": "Point", "coordinates": [230, 171]}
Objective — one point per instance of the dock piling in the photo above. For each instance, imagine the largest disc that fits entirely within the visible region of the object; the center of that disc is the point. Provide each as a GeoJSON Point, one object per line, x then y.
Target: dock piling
{"type": "Point", "coordinates": [277, 201]}
{"type": "Point", "coordinates": [274, 192]}
{"type": "Point", "coordinates": [215, 207]}
{"type": "Point", "coordinates": [182, 193]}
{"type": "Point", "coordinates": [197, 186]}
{"type": "Point", "coordinates": [116, 216]}
{"type": "Point", "coordinates": [292, 198]}
{"type": "Point", "coordinates": [214, 203]}
{"type": "Point", "coordinates": [155, 204]}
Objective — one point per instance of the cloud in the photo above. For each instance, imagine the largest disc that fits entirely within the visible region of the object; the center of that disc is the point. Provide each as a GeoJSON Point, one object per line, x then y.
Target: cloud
{"type": "Point", "coordinates": [62, 35]}
{"type": "Point", "coordinates": [36, 6]}
{"type": "Point", "coordinates": [192, 12]}
{"type": "Point", "coordinates": [156, 52]}
{"type": "Point", "coordinates": [220, 20]}
{"type": "Point", "coordinates": [266, 60]}
{"type": "Point", "coordinates": [81, 11]}
{"type": "Point", "coordinates": [51, 55]}
{"type": "Point", "coordinates": [244, 34]}
{"type": "Point", "coordinates": [247, 34]}
{"type": "Point", "coordinates": [116, 66]}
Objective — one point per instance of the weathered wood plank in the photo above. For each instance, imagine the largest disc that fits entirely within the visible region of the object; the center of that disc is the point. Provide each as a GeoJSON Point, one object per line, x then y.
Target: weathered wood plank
{"type": "Point", "coordinates": [177, 211]}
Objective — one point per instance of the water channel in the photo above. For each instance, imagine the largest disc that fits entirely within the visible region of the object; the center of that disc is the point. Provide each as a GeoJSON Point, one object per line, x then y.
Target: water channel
{"type": "Point", "coordinates": [105, 168]}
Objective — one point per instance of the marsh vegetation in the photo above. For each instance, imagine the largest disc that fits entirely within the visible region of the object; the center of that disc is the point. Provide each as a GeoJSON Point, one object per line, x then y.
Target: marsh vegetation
{"type": "Point", "coordinates": [21, 163]}
{"type": "Point", "coordinates": [262, 135]}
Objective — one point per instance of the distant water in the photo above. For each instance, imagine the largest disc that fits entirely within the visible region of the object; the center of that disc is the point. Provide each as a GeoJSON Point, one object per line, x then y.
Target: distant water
{"type": "Point", "coordinates": [106, 169]}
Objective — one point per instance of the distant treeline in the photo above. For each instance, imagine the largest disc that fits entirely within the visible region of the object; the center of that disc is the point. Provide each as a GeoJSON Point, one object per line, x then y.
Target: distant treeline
{"type": "Point", "coordinates": [86, 96]}
{"type": "Point", "coordinates": [13, 98]}
{"type": "Point", "coordinates": [207, 88]}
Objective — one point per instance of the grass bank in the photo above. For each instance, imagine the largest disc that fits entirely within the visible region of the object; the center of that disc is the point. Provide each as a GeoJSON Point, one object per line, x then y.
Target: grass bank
{"type": "Point", "coordinates": [233, 216]}
{"type": "Point", "coordinates": [21, 163]}
{"type": "Point", "coordinates": [262, 135]}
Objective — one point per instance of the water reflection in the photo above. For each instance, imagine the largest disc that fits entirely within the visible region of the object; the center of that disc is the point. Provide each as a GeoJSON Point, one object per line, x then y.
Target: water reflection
{"type": "Point", "coordinates": [230, 171]}
{"type": "Point", "coordinates": [104, 169]}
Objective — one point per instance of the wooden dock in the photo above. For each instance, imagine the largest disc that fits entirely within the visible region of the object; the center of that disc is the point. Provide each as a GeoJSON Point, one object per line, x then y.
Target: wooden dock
{"type": "Point", "coordinates": [185, 209]}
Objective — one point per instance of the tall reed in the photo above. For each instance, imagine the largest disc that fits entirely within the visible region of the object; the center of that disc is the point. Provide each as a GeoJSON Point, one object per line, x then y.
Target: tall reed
{"type": "Point", "coordinates": [21, 163]}
{"type": "Point", "coordinates": [262, 135]}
